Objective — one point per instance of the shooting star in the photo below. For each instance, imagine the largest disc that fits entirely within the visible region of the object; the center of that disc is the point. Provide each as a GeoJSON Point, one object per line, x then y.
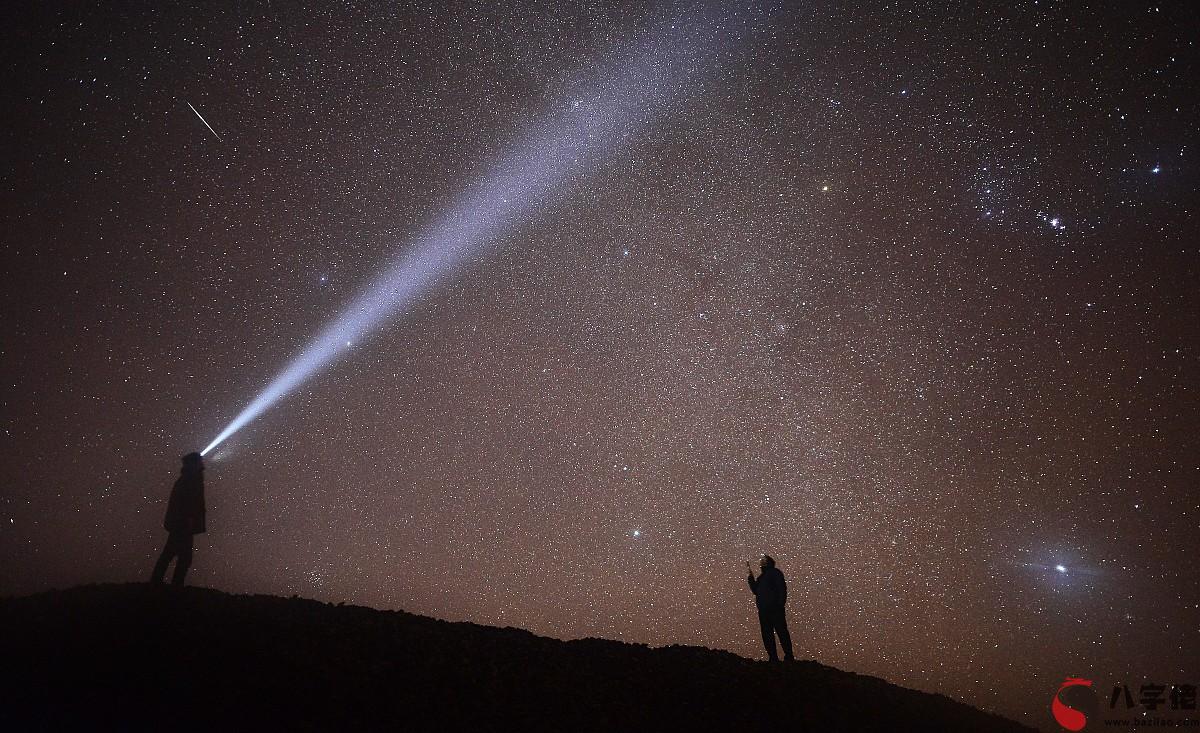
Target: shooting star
{"type": "Point", "coordinates": [210, 129]}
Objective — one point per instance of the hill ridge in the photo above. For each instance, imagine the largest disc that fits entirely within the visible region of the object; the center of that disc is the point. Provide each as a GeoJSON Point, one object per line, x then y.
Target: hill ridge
{"type": "Point", "coordinates": [133, 656]}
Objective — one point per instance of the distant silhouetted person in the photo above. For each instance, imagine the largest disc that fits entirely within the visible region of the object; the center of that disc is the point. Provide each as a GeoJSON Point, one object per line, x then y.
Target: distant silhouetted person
{"type": "Point", "coordinates": [770, 595]}
{"type": "Point", "coordinates": [185, 518]}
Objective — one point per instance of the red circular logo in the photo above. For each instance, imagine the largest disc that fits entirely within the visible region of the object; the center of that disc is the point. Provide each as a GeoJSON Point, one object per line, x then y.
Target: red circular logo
{"type": "Point", "coordinates": [1067, 716]}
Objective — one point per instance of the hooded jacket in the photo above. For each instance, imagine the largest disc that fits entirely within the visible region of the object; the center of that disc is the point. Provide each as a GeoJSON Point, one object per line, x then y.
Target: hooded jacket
{"type": "Point", "coordinates": [185, 509]}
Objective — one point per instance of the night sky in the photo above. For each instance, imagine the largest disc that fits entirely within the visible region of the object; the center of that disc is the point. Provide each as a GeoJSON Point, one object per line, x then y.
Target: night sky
{"type": "Point", "coordinates": [904, 295]}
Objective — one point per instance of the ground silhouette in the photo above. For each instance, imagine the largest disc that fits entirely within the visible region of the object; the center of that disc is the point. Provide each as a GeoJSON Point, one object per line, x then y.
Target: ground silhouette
{"type": "Point", "coordinates": [141, 657]}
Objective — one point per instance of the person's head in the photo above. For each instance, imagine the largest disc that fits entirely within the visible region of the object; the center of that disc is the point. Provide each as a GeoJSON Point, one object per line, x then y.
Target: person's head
{"type": "Point", "coordinates": [193, 462]}
{"type": "Point", "coordinates": [766, 561]}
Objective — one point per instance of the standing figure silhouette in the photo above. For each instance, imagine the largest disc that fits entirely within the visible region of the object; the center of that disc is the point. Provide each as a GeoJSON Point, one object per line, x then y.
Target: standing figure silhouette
{"type": "Point", "coordinates": [185, 518]}
{"type": "Point", "coordinates": [770, 595]}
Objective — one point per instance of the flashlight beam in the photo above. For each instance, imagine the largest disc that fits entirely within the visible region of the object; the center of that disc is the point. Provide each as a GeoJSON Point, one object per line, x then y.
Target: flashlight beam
{"type": "Point", "coordinates": [601, 116]}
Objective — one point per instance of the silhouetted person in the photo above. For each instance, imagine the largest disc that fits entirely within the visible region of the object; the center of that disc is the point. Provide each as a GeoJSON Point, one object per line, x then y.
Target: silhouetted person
{"type": "Point", "coordinates": [770, 595]}
{"type": "Point", "coordinates": [185, 518]}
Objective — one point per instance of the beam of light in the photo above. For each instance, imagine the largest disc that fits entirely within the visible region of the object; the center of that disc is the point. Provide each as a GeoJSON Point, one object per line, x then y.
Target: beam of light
{"type": "Point", "coordinates": [603, 114]}
{"type": "Point", "coordinates": [210, 128]}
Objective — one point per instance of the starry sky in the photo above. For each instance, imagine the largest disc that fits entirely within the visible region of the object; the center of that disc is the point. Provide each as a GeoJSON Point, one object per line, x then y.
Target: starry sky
{"type": "Point", "coordinates": [903, 294]}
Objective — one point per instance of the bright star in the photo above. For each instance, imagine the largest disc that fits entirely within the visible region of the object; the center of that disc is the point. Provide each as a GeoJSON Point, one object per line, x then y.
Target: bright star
{"type": "Point", "coordinates": [637, 533]}
{"type": "Point", "coordinates": [1052, 222]}
{"type": "Point", "coordinates": [1156, 169]}
{"type": "Point", "coordinates": [1061, 568]}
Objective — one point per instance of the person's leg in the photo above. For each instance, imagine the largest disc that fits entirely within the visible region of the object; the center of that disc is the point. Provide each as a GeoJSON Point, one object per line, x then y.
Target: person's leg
{"type": "Point", "coordinates": [164, 559]}
{"type": "Point", "coordinates": [183, 550]}
{"type": "Point", "coordinates": [768, 634]}
{"type": "Point", "coordinates": [785, 638]}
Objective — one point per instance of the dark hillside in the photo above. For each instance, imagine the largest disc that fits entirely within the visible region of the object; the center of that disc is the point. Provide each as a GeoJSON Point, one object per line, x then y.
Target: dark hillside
{"type": "Point", "coordinates": [135, 657]}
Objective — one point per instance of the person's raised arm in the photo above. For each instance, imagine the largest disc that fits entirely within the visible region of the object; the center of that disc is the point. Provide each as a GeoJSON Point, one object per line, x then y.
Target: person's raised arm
{"type": "Point", "coordinates": [750, 579]}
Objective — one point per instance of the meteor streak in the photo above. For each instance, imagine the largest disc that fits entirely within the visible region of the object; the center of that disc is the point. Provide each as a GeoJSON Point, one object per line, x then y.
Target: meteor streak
{"type": "Point", "coordinates": [589, 124]}
{"type": "Point", "coordinates": [210, 129]}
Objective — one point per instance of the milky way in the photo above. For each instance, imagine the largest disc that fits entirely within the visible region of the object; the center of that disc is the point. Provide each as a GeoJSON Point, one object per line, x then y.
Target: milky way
{"type": "Point", "coordinates": [904, 296]}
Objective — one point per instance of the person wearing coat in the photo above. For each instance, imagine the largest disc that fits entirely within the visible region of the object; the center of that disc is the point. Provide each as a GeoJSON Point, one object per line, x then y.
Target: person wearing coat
{"type": "Point", "coordinates": [770, 595]}
{"type": "Point", "coordinates": [184, 519]}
